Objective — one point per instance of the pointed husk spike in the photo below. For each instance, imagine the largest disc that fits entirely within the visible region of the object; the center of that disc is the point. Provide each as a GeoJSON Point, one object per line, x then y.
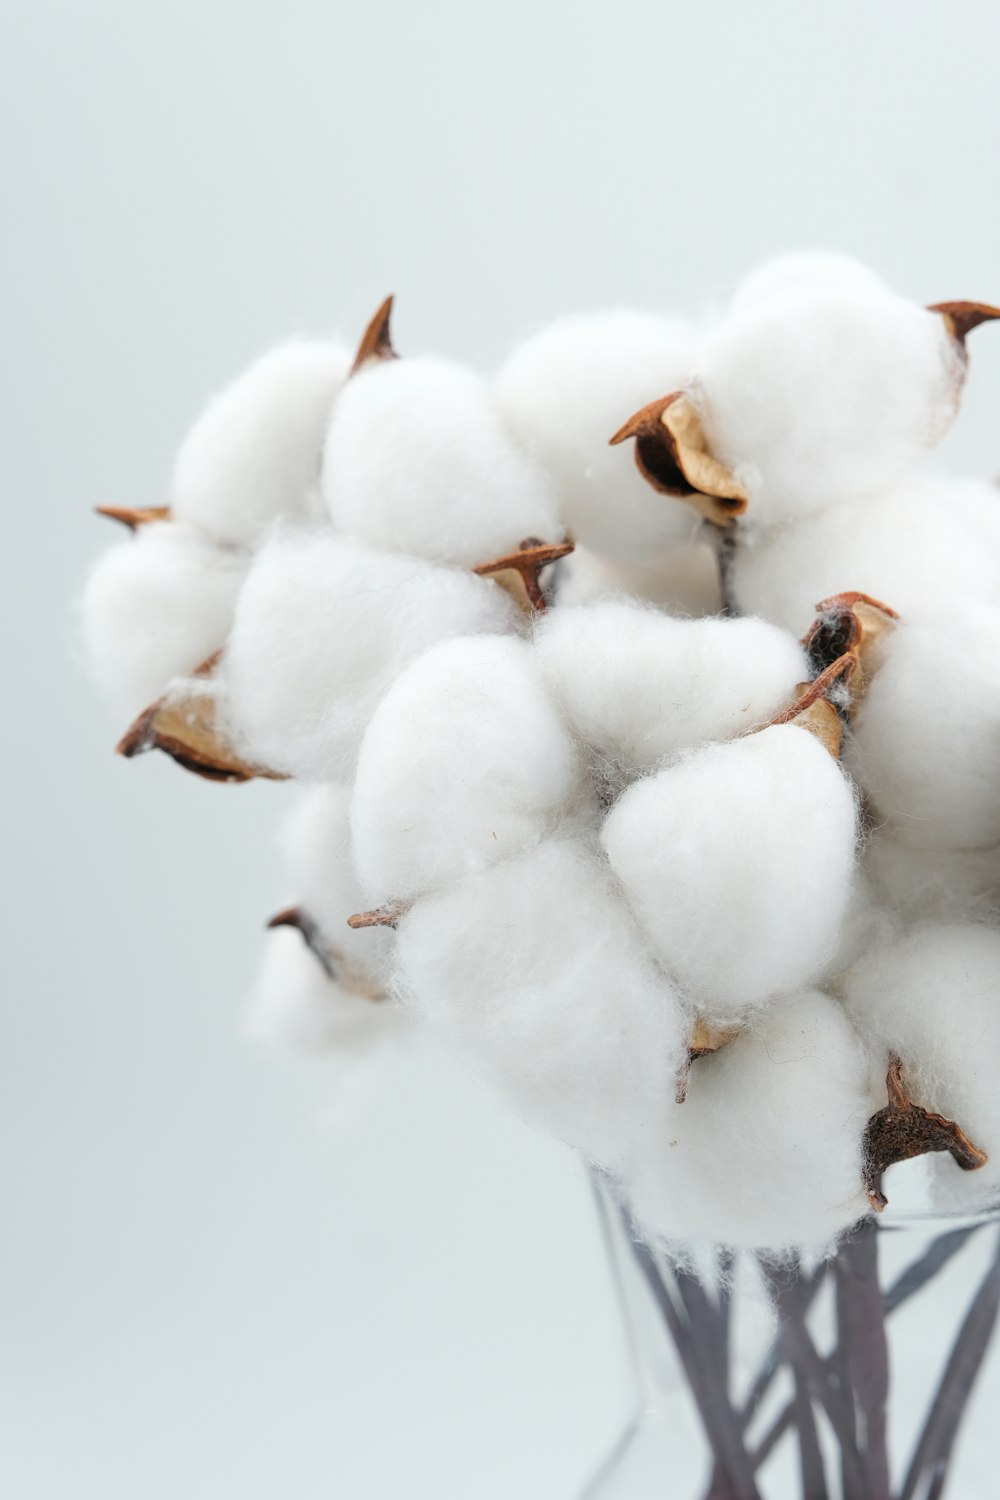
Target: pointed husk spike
{"type": "Point", "coordinates": [134, 517]}
{"type": "Point", "coordinates": [903, 1130]}
{"type": "Point", "coordinates": [184, 725]}
{"type": "Point", "coordinates": [382, 916]}
{"type": "Point", "coordinates": [849, 624]}
{"type": "Point", "coordinates": [962, 317]}
{"type": "Point", "coordinates": [376, 341]}
{"type": "Point", "coordinates": [672, 454]}
{"type": "Point", "coordinates": [705, 1039]}
{"type": "Point", "coordinates": [519, 573]}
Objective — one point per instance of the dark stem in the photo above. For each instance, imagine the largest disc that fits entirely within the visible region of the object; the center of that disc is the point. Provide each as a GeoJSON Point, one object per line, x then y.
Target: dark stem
{"type": "Point", "coordinates": [933, 1451]}
{"type": "Point", "coordinates": [864, 1355]}
{"type": "Point", "coordinates": [698, 1353]}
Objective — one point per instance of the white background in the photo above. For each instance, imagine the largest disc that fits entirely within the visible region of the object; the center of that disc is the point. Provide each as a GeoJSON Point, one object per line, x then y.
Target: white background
{"type": "Point", "coordinates": [208, 1287]}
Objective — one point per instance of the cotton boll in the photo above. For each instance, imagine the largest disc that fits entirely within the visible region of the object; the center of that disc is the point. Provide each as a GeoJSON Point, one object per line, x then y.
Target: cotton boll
{"type": "Point", "coordinates": [417, 460]}
{"type": "Point", "coordinates": [806, 271]}
{"type": "Point", "coordinates": [254, 453]}
{"type": "Point", "coordinates": [315, 841]}
{"type": "Point", "coordinates": [737, 861]}
{"type": "Point", "coordinates": [465, 763]}
{"type": "Point", "coordinates": [817, 397]}
{"type": "Point", "coordinates": [933, 998]}
{"type": "Point", "coordinates": [297, 1008]}
{"type": "Point", "coordinates": [922, 882]}
{"type": "Point", "coordinates": [637, 685]}
{"type": "Point", "coordinates": [323, 626]}
{"type": "Point", "coordinates": [926, 741]}
{"type": "Point", "coordinates": [681, 580]}
{"type": "Point", "coordinates": [765, 1152]}
{"type": "Point", "coordinates": [155, 607]}
{"type": "Point", "coordinates": [534, 973]}
{"type": "Point", "coordinates": [906, 546]}
{"type": "Point", "coordinates": [566, 391]}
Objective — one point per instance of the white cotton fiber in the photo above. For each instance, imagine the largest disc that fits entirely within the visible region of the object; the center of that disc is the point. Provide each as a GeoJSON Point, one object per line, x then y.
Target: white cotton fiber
{"type": "Point", "coordinates": [933, 998]}
{"type": "Point", "coordinates": [738, 861]}
{"type": "Point", "coordinates": [155, 607]}
{"type": "Point", "coordinates": [534, 973]}
{"type": "Point", "coordinates": [323, 626]}
{"type": "Point", "coordinates": [682, 580]}
{"type": "Point", "coordinates": [254, 453]}
{"type": "Point", "coordinates": [908, 547]}
{"type": "Point", "coordinates": [817, 397]}
{"type": "Point", "coordinates": [920, 881]}
{"type": "Point", "coordinates": [297, 1008]}
{"type": "Point", "coordinates": [765, 1152]}
{"type": "Point", "coordinates": [638, 685]}
{"type": "Point", "coordinates": [466, 762]}
{"type": "Point", "coordinates": [567, 391]}
{"type": "Point", "coordinates": [926, 741]}
{"type": "Point", "coordinates": [315, 841]}
{"type": "Point", "coordinates": [417, 460]}
{"type": "Point", "coordinates": [805, 271]}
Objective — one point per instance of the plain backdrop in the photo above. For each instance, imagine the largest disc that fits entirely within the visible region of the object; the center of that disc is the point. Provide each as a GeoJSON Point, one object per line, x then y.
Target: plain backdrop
{"type": "Point", "coordinates": [219, 1277]}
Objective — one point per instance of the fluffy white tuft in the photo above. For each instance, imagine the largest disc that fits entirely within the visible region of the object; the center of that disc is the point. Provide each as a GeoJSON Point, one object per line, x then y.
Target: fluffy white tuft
{"type": "Point", "coordinates": [806, 271]}
{"type": "Point", "coordinates": [638, 685]}
{"type": "Point", "coordinates": [766, 1149]}
{"type": "Point", "coordinates": [535, 974]}
{"type": "Point", "coordinates": [417, 460]}
{"type": "Point", "coordinates": [933, 998]}
{"type": "Point", "coordinates": [682, 581]}
{"type": "Point", "coordinates": [155, 607]}
{"type": "Point", "coordinates": [323, 626]}
{"type": "Point", "coordinates": [254, 453]}
{"type": "Point", "coordinates": [738, 863]}
{"type": "Point", "coordinates": [816, 397]}
{"type": "Point", "coordinates": [295, 1007]}
{"type": "Point", "coordinates": [465, 763]}
{"type": "Point", "coordinates": [921, 882]}
{"type": "Point", "coordinates": [926, 741]}
{"type": "Point", "coordinates": [565, 393]}
{"type": "Point", "coordinates": [909, 547]}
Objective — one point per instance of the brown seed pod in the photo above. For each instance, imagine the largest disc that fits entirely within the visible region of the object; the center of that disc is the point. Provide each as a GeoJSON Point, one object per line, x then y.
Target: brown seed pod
{"type": "Point", "coordinates": [853, 624]}
{"type": "Point", "coordinates": [519, 573]}
{"type": "Point", "coordinates": [962, 317]}
{"type": "Point", "coordinates": [705, 1039]}
{"type": "Point", "coordinates": [903, 1130]}
{"type": "Point", "coordinates": [376, 341]}
{"type": "Point", "coordinates": [184, 725]}
{"type": "Point", "coordinates": [672, 454]}
{"type": "Point", "coordinates": [133, 518]}
{"type": "Point", "coordinates": [335, 965]}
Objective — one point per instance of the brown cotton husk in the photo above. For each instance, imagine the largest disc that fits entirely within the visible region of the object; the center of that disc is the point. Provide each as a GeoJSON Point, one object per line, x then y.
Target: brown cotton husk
{"type": "Point", "coordinates": [382, 916]}
{"type": "Point", "coordinates": [134, 516]}
{"type": "Point", "coordinates": [519, 573]}
{"type": "Point", "coordinates": [903, 1130]}
{"type": "Point", "coordinates": [184, 725]}
{"type": "Point", "coordinates": [705, 1039]}
{"type": "Point", "coordinates": [814, 708]}
{"type": "Point", "coordinates": [849, 624]}
{"type": "Point", "coordinates": [962, 317]}
{"type": "Point", "coordinates": [672, 454]}
{"type": "Point", "coordinates": [335, 965]}
{"type": "Point", "coordinates": [376, 341]}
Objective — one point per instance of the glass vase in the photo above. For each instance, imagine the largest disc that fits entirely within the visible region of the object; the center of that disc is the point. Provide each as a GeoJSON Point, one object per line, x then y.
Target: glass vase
{"type": "Point", "coordinates": [872, 1374]}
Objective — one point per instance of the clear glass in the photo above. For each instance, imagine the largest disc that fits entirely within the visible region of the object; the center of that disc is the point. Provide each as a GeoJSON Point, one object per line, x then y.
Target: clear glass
{"type": "Point", "coordinates": [872, 1375]}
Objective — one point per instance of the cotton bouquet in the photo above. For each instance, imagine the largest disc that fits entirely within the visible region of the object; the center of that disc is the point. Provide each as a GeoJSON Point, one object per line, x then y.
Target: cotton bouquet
{"type": "Point", "coordinates": [645, 702]}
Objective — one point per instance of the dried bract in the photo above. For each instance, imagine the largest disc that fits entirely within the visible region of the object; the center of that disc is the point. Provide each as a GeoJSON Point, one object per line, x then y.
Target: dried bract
{"type": "Point", "coordinates": [519, 573]}
{"type": "Point", "coordinates": [672, 453]}
{"type": "Point", "coordinates": [903, 1130]}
